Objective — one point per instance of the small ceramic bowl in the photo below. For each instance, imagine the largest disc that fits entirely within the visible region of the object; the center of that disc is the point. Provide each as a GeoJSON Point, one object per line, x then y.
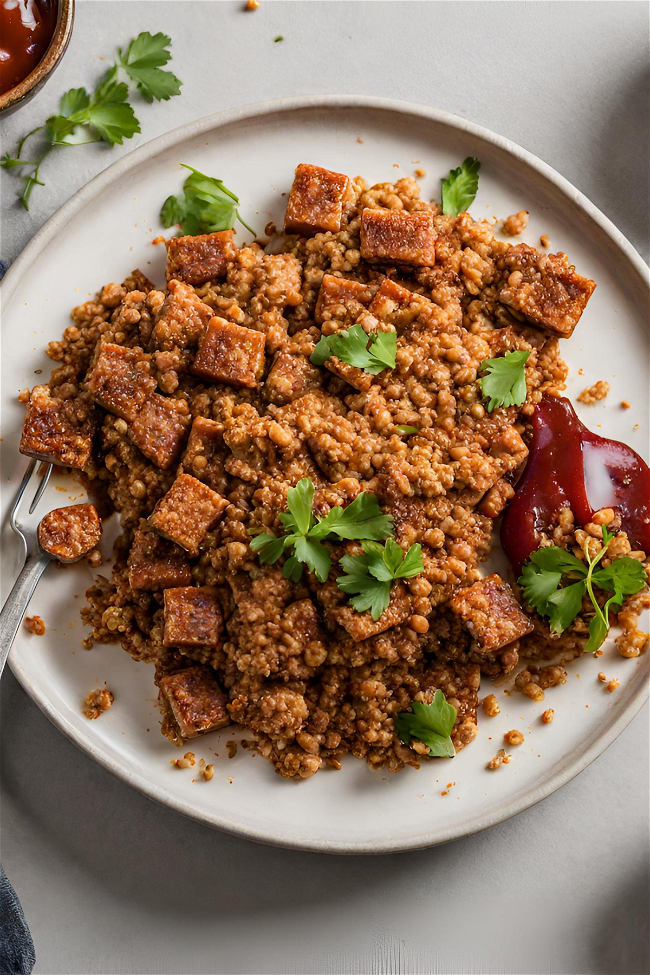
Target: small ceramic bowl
{"type": "Point", "coordinates": [21, 94]}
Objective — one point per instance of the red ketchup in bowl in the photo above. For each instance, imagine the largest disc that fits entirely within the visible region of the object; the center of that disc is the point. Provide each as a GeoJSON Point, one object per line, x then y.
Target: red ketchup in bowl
{"type": "Point", "coordinates": [26, 29]}
{"type": "Point", "coordinates": [571, 467]}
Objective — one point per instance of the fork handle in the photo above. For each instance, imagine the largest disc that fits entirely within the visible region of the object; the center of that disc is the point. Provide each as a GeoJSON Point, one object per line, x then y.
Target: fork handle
{"type": "Point", "coordinates": [18, 600]}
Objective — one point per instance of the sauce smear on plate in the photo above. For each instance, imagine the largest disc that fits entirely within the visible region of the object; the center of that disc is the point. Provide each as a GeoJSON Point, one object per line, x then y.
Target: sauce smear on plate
{"type": "Point", "coordinates": [26, 29]}
{"type": "Point", "coordinates": [571, 467]}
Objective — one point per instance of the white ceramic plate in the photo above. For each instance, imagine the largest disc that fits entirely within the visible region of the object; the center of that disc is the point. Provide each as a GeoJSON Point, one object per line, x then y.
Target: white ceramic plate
{"type": "Point", "coordinates": [104, 232]}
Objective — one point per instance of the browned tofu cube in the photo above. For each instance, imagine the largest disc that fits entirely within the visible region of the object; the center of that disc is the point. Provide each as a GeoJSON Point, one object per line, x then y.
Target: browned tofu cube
{"type": "Point", "coordinates": [203, 456]}
{"type": "Point", "coordinates": [545, 289]}
{"type": "Point", "coordinates": [196, 701]}
{"type": "Point", "coordinates": [53, 432]}
{"type": "Point", "coordinates": [350, 374]}
{"type": "Point", "coordinates": [397, 305]}
{"type": "Point", "coordinates": [121, 380]}
{"type": "Point", "coordinates": [193, 617]}
{"type": "Point", "coordinates": [196, 260]}
{"type": "Point", "coordinates": [230, 354]}
{"type": "Point", "coordinates": [317, 201]}
{"type": "Point", "coordinates": [182, 320]}
{"type": "Point", "coordinates": [160, 428]}
{"type": "Point", "coordinates": [398, 237]}
{"type": "Point", "coordinates": [67, 534]}
{"type": "Point", "coordinates": [155, 563]}
{"type": "Point", "coordinates": [289, 377]}
{"type": "Point", "coordinates": [491, 613]}
{"type": "Point", "coordinates": [360, 626]}
{"type": "Point", "coordinates": [341, 299]}
{"type": "Point", "coordinates": [187, 512]}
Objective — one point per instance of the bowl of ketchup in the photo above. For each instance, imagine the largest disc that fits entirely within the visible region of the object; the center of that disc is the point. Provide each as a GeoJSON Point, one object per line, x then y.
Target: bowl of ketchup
{"type": "Point", "coordinates": [34, 35]}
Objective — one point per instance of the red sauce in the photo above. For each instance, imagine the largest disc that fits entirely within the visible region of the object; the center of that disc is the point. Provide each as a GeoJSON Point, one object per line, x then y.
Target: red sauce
{"type": "Point", "coordinates": [571, 467]}
{"type": "Point", "coordinates": [26, 29]}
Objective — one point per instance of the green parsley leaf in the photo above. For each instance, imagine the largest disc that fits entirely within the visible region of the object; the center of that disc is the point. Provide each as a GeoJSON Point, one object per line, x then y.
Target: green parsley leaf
{"type": "Point", "coordinates": [372, 352]}
{"type": "Point", "coordinates": [114, 121]}
{"type": "Point", "coordinates": [542, 577]}
{"type": "Point", "coordinates": [504, 379]}
{"type": "Point", "coordinates": [75, 100]}
{"type": "Point", "coordinates": [206, 207]}
{"type": "Point", "coordinates": [362, 519]}
{"type": "Point", "coordinates": [406, 429]}
{"type": "Point", "coordinates": [277, 39]}
{"type": "Point", "coordinates": [368, 577]}
{"type": "Point", "coordinates": [143, 62]}
{"type": "Point", "coordinates": [460, 187]}
{"type": "Point", "coordinates": [431, 724]}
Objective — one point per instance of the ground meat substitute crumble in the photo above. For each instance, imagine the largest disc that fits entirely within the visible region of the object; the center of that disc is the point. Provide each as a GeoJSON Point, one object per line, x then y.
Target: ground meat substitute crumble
{"type": "Point", "coordinates": [293, 662]}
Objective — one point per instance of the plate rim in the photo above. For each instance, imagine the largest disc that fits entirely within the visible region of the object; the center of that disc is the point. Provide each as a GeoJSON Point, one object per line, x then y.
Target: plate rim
{"type": "Point", "coordinates": [506, 809]}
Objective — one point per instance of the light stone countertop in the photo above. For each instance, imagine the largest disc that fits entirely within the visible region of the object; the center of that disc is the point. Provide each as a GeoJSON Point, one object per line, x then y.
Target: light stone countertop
{"type": "Point", "coordinates": [112, 883]}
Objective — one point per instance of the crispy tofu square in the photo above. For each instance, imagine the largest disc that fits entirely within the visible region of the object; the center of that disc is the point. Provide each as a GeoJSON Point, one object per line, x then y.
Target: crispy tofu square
{"type": "Point", "coordinates": [395, 236]}
{"type": "Point", "coordinates": [459, 682]}
{"type": "Point", "coordinates": [289, 377]}
{"type": "Point", "coordinates": [155, 563]}
{"type": "Point", "coordinates": [196, 260]}
{"type": "Point", "coordinates": [203, 455]}
{"type": "Point", "coordinates": [397, 305]}
{"type": "Point", "coordinates": [160, 428]}
{"type": "Point", "coordinates": [196, 701]}
{"type": "Point", "coordinates": [491, 613]}
{"type": "Point", "coordinates": [360, 626]}
{"type": "Point", "coordinates": [545, 289]}
{"type": "Point", "coordinates": [350, 374]}
{"type": "Point", "coordinates": [67, 534]}
{"type": "Point", "coordinates": [341, 299]}
{"type": "Point", "coordinates": [193, 617]}
{"type": "Point", "coordinates": [317, 201]}
{"type": "Point", "coordinates": [187, 512]}
{"type": "Point", "coordinates": [230, 354]}
{"type": "Point", "coordinates": [182, 320]}
{"type": "Point", "coordinates": [52, 432]}
{"type": "Point", "coordinates": [121, 380]}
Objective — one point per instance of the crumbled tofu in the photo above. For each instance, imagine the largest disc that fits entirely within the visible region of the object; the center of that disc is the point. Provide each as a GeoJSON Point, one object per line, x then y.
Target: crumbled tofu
{"type": "Point", "coordinates": [187, 512]}
{"type": "Point", "coordinates": [67, 534]}
{"type": "Point", "coordinates": [491, 613]}
{"type": "Point", "coordinates": [160, 428]}
{"type": "Point", "coordinates": [193, 617]}
{"type": "Point", "coordinates": [360, 626]}
{"type": "Point", "coordinates": [341, 299]}
{"type": "Point", "coordinates": [397, 236]}
{"type": "Point", "coordinates": [289, 377]}
{"type": "Point", "coordinates": [53, 433]}
{"type": "Point", "coordinates": [396, 305]}
{"type": "Point", "coordinates": [196, 702]}
{"type": "Point", "coordinates": [202, 258]}
{"type": "Point", "coordinates": [545, 289]}
{"type": "Point", "coordinates": [317, 201]}
{"type": "Point", "coordinates": [154, 563]}
{"type": "Point", "coordinates": [121, 380]}
{"type": "Point", "coordinates": [230, 354]}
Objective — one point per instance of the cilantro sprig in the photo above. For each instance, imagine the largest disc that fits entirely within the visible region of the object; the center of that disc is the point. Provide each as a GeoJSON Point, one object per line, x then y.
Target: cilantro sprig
{"type": "Point", "coordinates": [431, 724]}
{"type": "Point", "coordinates": [503, 380]}
{"type": "Point", "coordinates": [306, 532]}
{"type": "Point", "coordinates": [205, 207]}
{"type": "Point", "coordinates": [372, 352]}
{"type": "Point", "coordinates": [555, 582]}
{"type": "Point", "coordinates": [369, 577]}
{"type": "Point", "coordinates": [103, 116]}
{"type": "Point", "coordinates": [460, 188]}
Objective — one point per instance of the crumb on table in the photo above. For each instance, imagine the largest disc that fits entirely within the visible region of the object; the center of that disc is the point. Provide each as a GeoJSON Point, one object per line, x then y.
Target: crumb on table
{"type": "Point", "coordinates": [594, 393]}
{"type": "Point", "coordinates": [97, 702]}
{"type": "Point", "coordinates": [35, 625]}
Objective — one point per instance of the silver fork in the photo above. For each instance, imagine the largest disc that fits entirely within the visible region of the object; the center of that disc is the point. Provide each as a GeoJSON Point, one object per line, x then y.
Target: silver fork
{"type": "Point", "coordinates": [35, 563]}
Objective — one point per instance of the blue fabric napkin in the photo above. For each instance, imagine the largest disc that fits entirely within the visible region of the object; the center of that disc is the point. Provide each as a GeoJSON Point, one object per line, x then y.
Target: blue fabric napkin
{"type": "Point", "coordinates": [16, 946]}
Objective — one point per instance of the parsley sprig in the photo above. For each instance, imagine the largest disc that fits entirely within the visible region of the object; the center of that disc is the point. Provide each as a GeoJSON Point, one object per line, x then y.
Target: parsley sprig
{"type": "Point", "coordinates": [306, 532]}
{"type": "Point", "coordinates": [431, 724]}
{"type": "Point", "coordinates": [372, 352]}
{"type": "Point", "coordinates": [105, 115]}
{"type": "Point", "coordinates": [460, 188]}
{"type": "Point", "coordinates": [369, 577]}
{"type": "Point", "coordinates": [503, 379]}
{"type": "Point", "coordinates": [555, 582]}
{"type": "Point", "coordinates": [205, 207]}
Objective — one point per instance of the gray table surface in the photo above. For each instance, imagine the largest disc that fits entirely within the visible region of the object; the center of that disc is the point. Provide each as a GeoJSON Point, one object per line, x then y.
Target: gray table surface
{"type": "Point", "coordinates": [112, 883]}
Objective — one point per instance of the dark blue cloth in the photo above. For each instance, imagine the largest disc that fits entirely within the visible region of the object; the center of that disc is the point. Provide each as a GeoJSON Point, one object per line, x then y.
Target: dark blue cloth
{"type": "Point", "coordinates": [16, 946]}
{"type": "Point", "coordinates": [4, 267]}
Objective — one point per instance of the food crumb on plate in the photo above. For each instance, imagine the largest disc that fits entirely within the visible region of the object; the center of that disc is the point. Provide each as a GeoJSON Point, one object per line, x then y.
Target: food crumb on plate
{"type": "Point", "coordinates": [613, 684]}
{"type": "Point", "coordinates": [514, 737]}
{"type": "Point", "coordinates": [35, 625]}
{"type": "Point", "coordinates": [515, 224]}
{"type": "Point", "coordinates": [592, 394]}
{"type": "Point", "coordinates": [545, 240]}
{"type": "Point", "coordinates": [420, 173]}
{"type": "Point", "coordinates": [625, 404]}
{"type": "Point", "coordinates": [97, 702]}
{"type": "Point", "coordinates": [491, 706]}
